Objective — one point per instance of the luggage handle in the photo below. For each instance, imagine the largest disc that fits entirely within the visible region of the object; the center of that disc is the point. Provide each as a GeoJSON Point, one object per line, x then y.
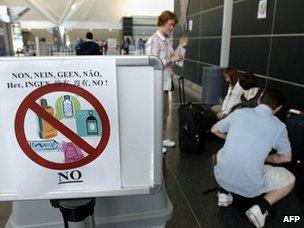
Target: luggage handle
{"type": "Point", "coordinates": [181, 89]}
{"type": "Point", "coordinates": [295, 111]}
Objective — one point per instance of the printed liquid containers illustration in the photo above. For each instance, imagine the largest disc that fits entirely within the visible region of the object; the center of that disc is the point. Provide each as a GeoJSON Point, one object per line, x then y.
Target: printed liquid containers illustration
{"type": "Point", "coordinates": [67, 108]}
{"type": "Point", "coordinates": [91, 124]}
{"type": "Point", "coordinates": [46, 130]}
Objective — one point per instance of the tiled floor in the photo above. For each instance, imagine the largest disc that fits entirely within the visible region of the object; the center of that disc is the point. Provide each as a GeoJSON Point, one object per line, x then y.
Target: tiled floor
{"type": "Point", "coordinates": [5, 211]}
{"type": "Point", "coordinates": [187, 176]}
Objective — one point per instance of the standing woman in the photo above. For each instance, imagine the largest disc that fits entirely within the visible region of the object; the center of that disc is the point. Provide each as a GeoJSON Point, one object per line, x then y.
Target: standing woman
{"type": "Point", "coordinates": [233, 97]}
{"type": "Point", "coordinates": [160, 45]}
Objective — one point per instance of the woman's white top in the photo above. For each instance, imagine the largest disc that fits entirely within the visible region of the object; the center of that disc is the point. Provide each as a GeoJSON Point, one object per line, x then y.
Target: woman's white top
{"type": "Point", "coordinates": [232, 98]}
{"type": "Point", "coordinates": [161, 46]}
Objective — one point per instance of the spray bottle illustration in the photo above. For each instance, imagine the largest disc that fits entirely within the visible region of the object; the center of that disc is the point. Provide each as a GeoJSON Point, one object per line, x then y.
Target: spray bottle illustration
{"type": "Point", "coordinates": [46, 130]}
{"type": "Point", "coordinates": [91, 124]}
{"type": "Point", "coordinates": [67, 107]}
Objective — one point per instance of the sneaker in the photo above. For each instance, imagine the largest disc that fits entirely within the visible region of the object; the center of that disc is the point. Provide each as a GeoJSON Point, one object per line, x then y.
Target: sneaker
{"type": "Point", "coordinates": [224, 200]}
{"type": "Point", "coordinates": [168, 143]}
{"type": "Point", "coordinates": [254, 214]}
{"type": "Point", "coordinates": [164, 150]}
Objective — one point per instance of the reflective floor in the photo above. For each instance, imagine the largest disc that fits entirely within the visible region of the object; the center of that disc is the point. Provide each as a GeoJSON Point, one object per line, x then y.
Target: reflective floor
{"type": "Point", "coordinates": [5, 211]}
{"type": "Point", "coordinates": [187, 176]}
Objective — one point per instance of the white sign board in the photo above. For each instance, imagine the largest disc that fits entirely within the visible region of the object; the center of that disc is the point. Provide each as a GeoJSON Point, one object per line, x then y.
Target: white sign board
{"type": "Point", "coordinates": [190, 25]}
{"type": "Point", "coordinates": [262, 9]}
{"type": "Point", "coordinates": [59, 126]}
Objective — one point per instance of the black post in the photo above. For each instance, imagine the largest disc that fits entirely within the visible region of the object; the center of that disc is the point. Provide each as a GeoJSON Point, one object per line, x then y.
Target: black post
{"type": "Point", "coordinates": [76, 212]}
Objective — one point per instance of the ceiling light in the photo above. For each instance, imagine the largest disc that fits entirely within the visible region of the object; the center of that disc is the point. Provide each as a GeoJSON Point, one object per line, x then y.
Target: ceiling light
{"type": "Point", "coordinates": [62, 30]}
{"type": "Point", "coordinates": [73, 6]}
{"type": "Point", "coordinates": [4, 14]}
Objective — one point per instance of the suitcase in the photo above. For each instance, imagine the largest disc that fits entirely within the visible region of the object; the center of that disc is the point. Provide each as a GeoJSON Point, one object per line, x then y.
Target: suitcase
{"type": "Point", "coordinates": [295, 128]}
{"type": "Point", "coordinates": [194, 123]}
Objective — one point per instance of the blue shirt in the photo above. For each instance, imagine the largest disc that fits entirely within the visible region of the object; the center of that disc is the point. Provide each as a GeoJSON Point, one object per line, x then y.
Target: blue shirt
{"type": "Point", "coordinates": [251, 134]}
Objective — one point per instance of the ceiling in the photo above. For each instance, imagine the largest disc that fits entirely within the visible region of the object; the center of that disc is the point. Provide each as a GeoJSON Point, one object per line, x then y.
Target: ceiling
{"type": "Point", "coordinates": [104, 14]}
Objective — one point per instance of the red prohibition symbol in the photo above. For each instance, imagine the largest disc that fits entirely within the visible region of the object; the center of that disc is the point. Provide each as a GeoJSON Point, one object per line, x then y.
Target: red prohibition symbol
{"type": "Point", "coordinates": [29, 103]}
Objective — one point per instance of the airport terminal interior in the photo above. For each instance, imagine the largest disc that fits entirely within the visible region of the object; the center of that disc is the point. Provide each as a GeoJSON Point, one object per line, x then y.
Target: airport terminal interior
{"type": "Point", "coordinates": [192, 109]}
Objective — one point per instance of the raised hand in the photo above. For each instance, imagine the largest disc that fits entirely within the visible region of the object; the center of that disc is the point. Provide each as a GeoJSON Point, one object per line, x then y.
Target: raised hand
{"type": "Point", "coordinates": [184, 40]}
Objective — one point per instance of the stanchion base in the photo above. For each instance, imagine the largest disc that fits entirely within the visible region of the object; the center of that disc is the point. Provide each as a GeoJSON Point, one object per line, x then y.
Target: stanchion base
{"type": "Point", "coordinates": [74, 211]}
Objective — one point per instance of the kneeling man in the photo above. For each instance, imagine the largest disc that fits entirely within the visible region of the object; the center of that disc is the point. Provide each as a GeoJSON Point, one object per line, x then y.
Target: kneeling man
{"type": "Point", "coordinates": [251, 133]}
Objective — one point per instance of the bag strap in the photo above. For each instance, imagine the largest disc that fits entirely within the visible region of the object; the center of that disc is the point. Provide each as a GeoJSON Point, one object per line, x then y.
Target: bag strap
{"type": "Point", "coordinates": [216, 188]}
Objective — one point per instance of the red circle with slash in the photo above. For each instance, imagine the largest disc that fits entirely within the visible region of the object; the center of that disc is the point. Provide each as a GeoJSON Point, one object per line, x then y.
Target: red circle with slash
{"type": "Point", "coordinates": [30, 103]}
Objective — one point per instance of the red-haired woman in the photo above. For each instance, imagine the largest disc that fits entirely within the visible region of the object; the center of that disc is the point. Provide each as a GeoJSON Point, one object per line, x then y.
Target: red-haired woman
{"type": "Point", "coordinates": [159, 44]}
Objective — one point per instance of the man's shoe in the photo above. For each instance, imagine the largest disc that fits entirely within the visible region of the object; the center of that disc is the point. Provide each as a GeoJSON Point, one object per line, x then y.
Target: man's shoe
{"type": "Point", "coordinates": [224, 200]}
{"type": "Point", "coordinates": [164, 150]}
{"type": "Point", "coordinates": [254, 214]}
{"type": "Point", "coordinates": [168, 143]}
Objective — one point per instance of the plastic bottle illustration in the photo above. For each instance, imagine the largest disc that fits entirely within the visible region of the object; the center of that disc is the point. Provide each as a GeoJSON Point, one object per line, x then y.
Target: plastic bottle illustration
{"type": "Point", "coordinates": [67, 107]}
{"type": "Point", "coordinates": [46, 130]}
{"type": "Point", "coordinates": [91, 124]}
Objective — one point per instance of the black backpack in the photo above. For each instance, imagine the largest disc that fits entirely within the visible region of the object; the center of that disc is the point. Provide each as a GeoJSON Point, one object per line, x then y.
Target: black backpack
{"type": "Point", "coordinates": [295, 128]}
{"type": "Point", "coordinates": [250, 102]}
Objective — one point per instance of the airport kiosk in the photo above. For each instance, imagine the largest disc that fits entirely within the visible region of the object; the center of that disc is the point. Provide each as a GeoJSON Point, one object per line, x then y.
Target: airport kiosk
{"type": "Point", "coordinates": [85, 131]}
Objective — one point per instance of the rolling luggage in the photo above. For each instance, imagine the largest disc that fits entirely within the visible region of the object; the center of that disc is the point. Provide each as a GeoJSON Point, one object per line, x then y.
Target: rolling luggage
{"type": "Point", "coordinates": [295, 128]}
{"type": "Point", "coordinates": [194, 123]}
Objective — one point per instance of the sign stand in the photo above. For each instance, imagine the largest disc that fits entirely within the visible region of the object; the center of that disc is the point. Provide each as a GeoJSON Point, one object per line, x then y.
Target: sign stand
{"type": "Point", "coordinates": [76, 213]}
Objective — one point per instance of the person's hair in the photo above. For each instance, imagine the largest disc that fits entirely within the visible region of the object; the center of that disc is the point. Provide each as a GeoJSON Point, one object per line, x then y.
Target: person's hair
{"type": "Point", "coordinates": [272, 97]}
{"type": "Point", "coordinates": [166, 16]}
{"type": "Point", "coordinates": [248, 81]}
{"type": "Point", "coordinates": [89, 35]}
{"type": "Point", "coordinates": [233, 75]}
